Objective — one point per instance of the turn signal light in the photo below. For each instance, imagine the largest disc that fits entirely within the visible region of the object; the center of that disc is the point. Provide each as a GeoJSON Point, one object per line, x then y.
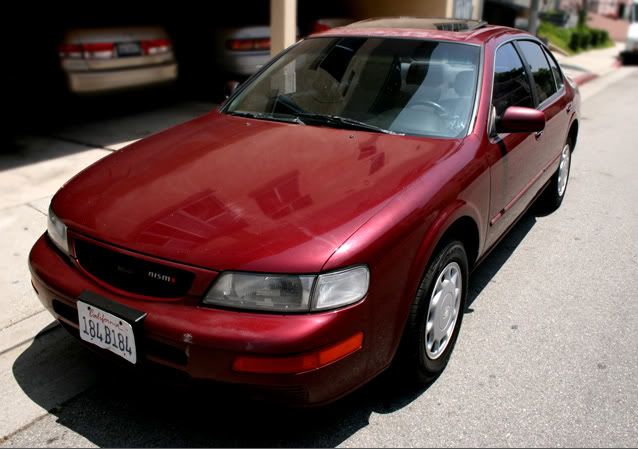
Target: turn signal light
{"type": "Point", "coordinates": [300, 363]}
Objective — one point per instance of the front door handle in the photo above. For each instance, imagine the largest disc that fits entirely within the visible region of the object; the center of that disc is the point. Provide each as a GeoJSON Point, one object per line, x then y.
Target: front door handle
{"type": "Point", "coordinates": [569, 108]}
{"type": "Point", "coordinates": [538, 134]}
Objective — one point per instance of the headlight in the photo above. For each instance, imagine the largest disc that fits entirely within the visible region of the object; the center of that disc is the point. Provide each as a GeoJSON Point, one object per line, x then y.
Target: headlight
{"type": "Point", "coordinates": [57, 232]}
{"type": "Point", "coordinates": [340, 288]}
{"type": "Point", "coordinates": [289, 293]}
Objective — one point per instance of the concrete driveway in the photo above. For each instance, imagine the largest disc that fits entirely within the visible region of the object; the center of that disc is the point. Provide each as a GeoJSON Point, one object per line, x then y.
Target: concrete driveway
{"type": "Point", "coordinates": [547, 354]}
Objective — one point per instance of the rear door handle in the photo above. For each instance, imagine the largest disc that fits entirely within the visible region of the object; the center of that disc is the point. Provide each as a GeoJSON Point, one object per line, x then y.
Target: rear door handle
{"type": "Point", "coordinates": [569, 108]}
{"type": "Point", "coordinates": [538, 134]}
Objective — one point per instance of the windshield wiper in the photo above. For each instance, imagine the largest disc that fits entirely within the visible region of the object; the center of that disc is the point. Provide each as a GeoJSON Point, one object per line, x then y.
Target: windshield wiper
{"type": "Point", "coordinates": [343, 121]}
{"type": "Point", "coordinates": [263, 116]}
{"type": "Point", "coordinates": [301, 118]}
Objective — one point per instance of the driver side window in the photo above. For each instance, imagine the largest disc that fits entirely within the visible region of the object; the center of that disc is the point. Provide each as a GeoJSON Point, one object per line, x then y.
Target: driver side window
{"type": "Point", "coordinates": [511, 84]}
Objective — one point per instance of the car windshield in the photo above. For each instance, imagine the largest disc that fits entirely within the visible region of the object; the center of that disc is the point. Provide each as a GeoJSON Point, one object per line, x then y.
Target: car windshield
{"type": "Point", "coordinates": [404, 86]}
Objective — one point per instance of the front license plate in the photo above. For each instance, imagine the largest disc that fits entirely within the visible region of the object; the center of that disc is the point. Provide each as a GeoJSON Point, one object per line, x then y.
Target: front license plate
{"type": "Point", "coordinates": [107, 331]}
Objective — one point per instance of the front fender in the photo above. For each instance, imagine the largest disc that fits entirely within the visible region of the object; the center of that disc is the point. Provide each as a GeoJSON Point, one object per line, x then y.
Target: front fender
{"type": "Point", "coordinates": [398, 241]}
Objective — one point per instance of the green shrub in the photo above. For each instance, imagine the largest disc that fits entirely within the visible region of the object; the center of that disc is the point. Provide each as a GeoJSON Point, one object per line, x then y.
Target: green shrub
{"type": "Point", "coordinates": [558, 36]}
{"type": "Point", "coordinates": [585, 38]}
{"type": "Point", "coordinates": [574, 40]}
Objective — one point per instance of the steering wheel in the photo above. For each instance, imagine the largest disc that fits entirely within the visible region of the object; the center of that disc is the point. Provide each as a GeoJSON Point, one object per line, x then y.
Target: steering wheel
{"type": "Point", "coordinates": [429, 103]}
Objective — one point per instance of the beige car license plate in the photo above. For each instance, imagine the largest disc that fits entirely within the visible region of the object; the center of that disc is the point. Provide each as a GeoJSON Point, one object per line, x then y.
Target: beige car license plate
{"type": "Point", "coordinates": [107, 331]}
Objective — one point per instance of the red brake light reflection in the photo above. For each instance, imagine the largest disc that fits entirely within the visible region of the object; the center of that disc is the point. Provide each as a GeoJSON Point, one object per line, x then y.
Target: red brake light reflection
{"type": "Point", "coordinates": [156, 46]}
{"type": "Point", "coordinates": [318, 27]}
{"type": "Point", "coordinates": [248, 44]}
{"type": "Point", "coordinates": [93, 50]}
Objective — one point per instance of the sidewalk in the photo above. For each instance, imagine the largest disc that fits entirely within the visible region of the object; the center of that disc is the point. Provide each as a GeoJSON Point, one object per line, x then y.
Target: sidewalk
{"type": "Point", "coordinates": [591, 64]}
{"type": "Point", "coordinates": [30, 173]}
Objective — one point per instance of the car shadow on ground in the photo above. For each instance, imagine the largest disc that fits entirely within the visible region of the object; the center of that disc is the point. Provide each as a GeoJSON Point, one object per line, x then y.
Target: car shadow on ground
{"type": "Point", "coordinates": [128, 409]}
{"type": "Point", "coordinates": [484, 273]}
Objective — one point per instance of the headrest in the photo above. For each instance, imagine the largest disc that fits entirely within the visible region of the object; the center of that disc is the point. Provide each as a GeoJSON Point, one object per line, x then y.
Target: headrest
{"type": "Point", "coordinates": [419, 71]}
{"type": "Point", "coordinates": [463, 83]}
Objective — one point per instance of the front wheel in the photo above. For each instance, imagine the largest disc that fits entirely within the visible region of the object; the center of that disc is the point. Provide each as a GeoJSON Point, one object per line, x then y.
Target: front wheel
{"type": "Point", "coordinates": [436, 314]}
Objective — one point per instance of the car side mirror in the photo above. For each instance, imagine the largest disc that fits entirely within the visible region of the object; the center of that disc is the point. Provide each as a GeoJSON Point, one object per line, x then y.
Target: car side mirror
{"type": "Point", "coordinates": [516, 119]}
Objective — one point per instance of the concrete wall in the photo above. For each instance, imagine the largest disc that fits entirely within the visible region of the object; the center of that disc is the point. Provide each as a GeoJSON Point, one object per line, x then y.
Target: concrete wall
{"type": "Point", "coordinates": [283, 23]}
{"type": "Point", "coordinates": [477, 9]}
{"type": "Point", "coordinates": [364, 9]}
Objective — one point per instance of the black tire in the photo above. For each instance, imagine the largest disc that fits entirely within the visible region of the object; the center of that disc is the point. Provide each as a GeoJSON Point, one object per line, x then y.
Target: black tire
{"type": "Point", "coordinates": [628, 58]}
{"type": "Point", "coordinates": [550, 200]}
{"type": "Point", "coordinates": [413, 357]}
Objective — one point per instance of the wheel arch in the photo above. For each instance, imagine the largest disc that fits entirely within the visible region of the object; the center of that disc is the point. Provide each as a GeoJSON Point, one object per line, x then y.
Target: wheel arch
{"type": "Point", "coordinates": [466, 230]}
{"type": "Point", "coordinates": [572, 135]}
{"type": "Point", "coordinates": [461, 223]}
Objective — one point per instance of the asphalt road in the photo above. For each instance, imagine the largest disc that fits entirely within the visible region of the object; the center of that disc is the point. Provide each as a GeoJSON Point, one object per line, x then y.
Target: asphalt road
{"type": "Point", "coordinates": [548, 353]}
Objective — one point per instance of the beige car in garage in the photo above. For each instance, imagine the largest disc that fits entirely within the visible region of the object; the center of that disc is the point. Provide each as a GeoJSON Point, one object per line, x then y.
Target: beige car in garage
{"type": "Point", "coordinates": [106, 59]}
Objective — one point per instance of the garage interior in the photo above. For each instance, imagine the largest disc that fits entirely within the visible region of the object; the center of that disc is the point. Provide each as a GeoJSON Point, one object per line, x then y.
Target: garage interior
{"type": "Point", "coordinates": [38, 97]}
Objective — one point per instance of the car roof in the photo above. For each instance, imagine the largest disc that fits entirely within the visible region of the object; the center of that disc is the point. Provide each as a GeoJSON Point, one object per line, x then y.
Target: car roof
{"type": "Point", "coordinates": [456, 30]}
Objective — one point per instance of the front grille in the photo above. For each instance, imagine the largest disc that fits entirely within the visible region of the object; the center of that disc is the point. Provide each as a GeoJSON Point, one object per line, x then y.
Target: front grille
{"type": "Point", "coordinates": [132, 274]}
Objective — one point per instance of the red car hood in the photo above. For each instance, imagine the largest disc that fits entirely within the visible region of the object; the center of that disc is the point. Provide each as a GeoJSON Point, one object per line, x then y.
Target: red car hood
{"type": "Point", "coordinates": [225, 192]}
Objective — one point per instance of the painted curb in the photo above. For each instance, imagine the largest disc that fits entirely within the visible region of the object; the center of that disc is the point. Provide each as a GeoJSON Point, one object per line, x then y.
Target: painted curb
{"type": "Point", "coordinates": [585, 78]}
{"type": "Point", "coordinates": [590, 76]}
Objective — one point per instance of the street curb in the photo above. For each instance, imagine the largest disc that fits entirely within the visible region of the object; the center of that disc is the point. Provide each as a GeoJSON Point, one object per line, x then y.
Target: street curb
{"type": "Point", "coordinates": [25, 331]}
{"type": "Point", "coordinates": [590, 76]}
{"type": "Point", "coordinates": [585, 78]}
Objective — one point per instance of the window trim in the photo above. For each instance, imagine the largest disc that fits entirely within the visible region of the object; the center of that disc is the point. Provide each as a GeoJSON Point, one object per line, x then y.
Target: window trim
{"type": "Point", "coordinates": [477, 93]}
{"type": "Point", "coordinates": [491, 120]}
{"type": "Point", "coordinates": [551, 70]}
{"type": "Point", "coordinates": [549, 55]}
{"type": "Point", "coordinates": [493, 136]}
{"type": "Point", "coordinates": [558, 93]}
{"type": "Point", "coordinates": [530, 76]}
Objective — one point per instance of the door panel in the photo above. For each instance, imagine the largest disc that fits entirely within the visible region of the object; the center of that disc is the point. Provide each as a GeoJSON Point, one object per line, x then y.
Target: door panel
{"type": "Point", "coordinates": [517, 159]}
{"type": "Point", "coordinates": [516, 177]}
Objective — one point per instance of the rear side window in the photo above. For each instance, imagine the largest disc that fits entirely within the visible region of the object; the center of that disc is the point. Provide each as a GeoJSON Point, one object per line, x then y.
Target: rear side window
{"type": "Point", "coordinates": [558, 76]}
{"type": "Point", "coordinates": [539, 67]}
{"type": "Point", "coordinates": [511, 84]}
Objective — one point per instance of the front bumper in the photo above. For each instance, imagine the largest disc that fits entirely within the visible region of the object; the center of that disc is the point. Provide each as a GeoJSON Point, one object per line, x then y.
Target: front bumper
{"type": "Point", "coordinates": [84, 82]}
{"type": "Point", "coordinates": [203, 342]}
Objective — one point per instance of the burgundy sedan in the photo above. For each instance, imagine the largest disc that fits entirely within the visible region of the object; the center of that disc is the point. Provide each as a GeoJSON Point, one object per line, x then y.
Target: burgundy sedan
{"type": "Point", "coordinates": [322, 224]}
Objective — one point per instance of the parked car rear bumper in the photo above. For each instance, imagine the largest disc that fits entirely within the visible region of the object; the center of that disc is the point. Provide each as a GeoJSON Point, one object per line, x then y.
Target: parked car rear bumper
{"type": "Point", "coordinates": [84, 82]}
{"type": "Point", "coordinates": [244, 63]}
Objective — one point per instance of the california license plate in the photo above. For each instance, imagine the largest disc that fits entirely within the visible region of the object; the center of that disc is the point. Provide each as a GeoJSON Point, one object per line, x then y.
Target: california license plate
{"type": "Point", "coordinates": [129, 49]}
{"type": "Point", "coordinates": [107, 331]}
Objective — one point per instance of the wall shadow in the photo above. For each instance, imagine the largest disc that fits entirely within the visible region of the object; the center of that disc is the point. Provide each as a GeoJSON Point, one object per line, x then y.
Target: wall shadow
{"type": "Point", "coordinates": [88, 123]}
